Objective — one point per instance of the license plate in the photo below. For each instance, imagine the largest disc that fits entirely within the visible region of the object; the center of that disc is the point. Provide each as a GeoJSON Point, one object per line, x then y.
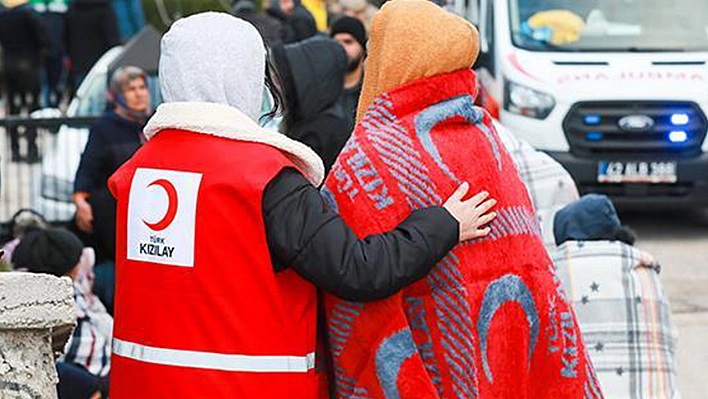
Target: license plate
{"type": "Point", "coordinates": [637, 172]}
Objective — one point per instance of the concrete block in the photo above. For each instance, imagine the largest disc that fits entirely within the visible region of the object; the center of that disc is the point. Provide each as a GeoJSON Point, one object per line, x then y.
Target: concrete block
{"type": "Point", "coordinates": [36, 319]}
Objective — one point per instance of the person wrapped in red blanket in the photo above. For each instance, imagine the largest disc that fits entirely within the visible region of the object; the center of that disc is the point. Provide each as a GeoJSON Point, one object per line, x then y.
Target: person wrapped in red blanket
{"type": "Point", "coordinates": [491, 320]}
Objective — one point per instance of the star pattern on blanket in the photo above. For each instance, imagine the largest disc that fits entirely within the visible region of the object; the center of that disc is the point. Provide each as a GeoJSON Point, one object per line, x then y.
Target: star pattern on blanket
{"type": "Point", "coordinates": [599, 347]}
{"type": "Point", "coordinates": [620, 371]}
{"type": "Point", "coordinates": [585, 300]}
{"type": "Point", "coordinates": [595, 287]}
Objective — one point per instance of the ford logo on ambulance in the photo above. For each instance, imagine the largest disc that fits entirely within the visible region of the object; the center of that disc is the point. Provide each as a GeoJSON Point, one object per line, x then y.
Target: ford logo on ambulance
{"type": "Point", "coordinates": [636, 123]}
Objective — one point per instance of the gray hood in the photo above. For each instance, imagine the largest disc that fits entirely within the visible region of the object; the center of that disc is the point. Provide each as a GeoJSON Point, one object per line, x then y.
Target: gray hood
{"type": "Point", "coordinates": [215, 58]}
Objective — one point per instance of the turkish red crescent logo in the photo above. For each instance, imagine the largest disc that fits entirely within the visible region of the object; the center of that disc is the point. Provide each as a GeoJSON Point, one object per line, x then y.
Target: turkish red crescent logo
{"type": "Point", "coordinates": [171, 205]}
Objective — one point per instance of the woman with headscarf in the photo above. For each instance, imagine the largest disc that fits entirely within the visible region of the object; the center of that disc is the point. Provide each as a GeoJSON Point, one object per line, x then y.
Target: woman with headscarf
{"type": "Point", "coordinates": [491, 319]}
{"type": "Point", "coordinates": [223, 238]}
{"type": "Point", "coordinates": [113, 139]}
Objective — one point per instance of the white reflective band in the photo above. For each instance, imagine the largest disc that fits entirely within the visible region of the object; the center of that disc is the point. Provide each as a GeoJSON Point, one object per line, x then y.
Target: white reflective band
{"type": "Point", "coordinates": [214, 361]}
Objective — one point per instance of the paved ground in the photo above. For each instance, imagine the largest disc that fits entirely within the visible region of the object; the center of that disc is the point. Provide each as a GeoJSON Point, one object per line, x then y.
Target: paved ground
{"type": "Point", "coordinates": [679, 240]}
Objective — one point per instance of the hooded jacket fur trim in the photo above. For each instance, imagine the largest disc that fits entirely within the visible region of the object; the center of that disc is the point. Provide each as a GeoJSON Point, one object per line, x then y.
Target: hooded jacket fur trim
{"type": "Point", "coordinates": [224, 121]}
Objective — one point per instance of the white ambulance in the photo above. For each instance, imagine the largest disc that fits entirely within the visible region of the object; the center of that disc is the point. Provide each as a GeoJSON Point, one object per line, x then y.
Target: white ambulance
{"type": "Point", "coordinates": [615, 90]}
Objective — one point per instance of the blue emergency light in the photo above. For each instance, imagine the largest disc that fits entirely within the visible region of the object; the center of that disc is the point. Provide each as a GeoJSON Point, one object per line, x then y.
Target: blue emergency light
{"type": "Point", "coordinates": [678, 136]}
{"type": "Point", "coordinates": [594, 136]}
{"type": "Point", "coordinates": [592, 120]}
{"type": "Point", "coordinates": [680, 119]}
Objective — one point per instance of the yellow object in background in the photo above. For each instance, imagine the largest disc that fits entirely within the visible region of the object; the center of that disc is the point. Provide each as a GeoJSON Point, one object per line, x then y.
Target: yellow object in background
{"type": "Point", "coordinates": [14, 3]}
{"type": "Point", "coordinates": [318, 9]}
{"type": "Point", "coordinates": [567, 27]}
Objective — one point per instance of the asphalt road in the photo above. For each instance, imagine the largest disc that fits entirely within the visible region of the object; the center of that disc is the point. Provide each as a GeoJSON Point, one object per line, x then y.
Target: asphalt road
{"type": "Point", "coordinates": [679, 241]}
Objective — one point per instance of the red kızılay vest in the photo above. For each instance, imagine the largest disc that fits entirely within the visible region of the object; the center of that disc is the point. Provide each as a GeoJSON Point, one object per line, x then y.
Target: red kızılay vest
{"type": "Point", "coordinates": [199, 311]}
{"type": "Point", "coordinates": [491, 320]}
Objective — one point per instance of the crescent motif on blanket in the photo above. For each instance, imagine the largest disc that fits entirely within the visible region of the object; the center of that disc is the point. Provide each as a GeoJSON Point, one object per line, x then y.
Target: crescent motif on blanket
{"type": "Point", "coordinates": [509, 288]}
{"type": "Point", "coordinates": [458, 106]}
{"type": "Point", "coordinates": [390, 356]}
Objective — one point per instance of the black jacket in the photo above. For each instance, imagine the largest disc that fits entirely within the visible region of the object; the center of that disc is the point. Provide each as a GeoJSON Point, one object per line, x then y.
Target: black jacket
{"type": "Point", "coordinates": [270, 28]}
{"type": "Point", "coordinates": [304, 234]}
{"type": "Point", "coordinates": [296, 27]}
{"type": "Point", "coordinates": [350, 103]}
{"type": "Point", "coordinates": [90, 30]}
{"type": "Point", "coordinates": [312, 73]}
{"type": "Point", "coordinates": [112, 141]}
{"type": "Point", "coordinates": [23, 39]}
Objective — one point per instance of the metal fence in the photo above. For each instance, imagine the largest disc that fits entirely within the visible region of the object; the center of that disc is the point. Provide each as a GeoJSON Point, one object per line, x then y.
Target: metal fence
{"type": "Point", "coordinates": [44, 184]}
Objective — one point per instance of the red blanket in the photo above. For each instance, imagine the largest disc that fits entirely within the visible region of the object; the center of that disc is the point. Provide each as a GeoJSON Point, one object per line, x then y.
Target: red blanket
{"type": "Point", "coordinates": [491, 320]}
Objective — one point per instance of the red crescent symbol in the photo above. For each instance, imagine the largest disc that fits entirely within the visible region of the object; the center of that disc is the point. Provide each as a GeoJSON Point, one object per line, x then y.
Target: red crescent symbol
{"type": "Point", "coordinates": [171, 205]}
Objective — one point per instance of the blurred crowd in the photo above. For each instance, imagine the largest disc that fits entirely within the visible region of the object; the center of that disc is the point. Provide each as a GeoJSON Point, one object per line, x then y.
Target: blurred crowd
{"type": "Point", "coordinates": [48, 47]}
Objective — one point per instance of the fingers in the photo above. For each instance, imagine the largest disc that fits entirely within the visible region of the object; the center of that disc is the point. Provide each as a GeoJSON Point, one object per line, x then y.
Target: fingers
{"type": "Point", "coordinates": [460, 193]}
{"type": "Point", "coordinates": [486, 206]}
{"type": "Point", "coordinates": [85, 225]}
{"type": "Point", "coordinates": [85, 228]}
{"type": "Point", "coordinates": [481, 233]}
{"type": "Point", "coordinates": [477, 199]}
{"type": "Point", "coordinates": [486, 219]}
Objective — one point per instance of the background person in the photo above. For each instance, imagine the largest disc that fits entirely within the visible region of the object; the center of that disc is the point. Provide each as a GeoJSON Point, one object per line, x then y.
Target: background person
{"type": "Point", "coordinates": [616, 291]}
{"type": "Point", "coordinates": [113, 139]}
{"type": "Point", "coordinates": [52, 12]}
{"type": "Point", "coordinates": [298, 24]}
{"type": "Point", "coordinates": [90, 30]}
{"type": "Point", "coordinates": [350, 32]}
{"type": "Point", "coordinates": [130, 17]}
{"type": "Point", "coordinates": [270, 28]}
{"type": "Point", "coordinates": [312, 74]}
{"type": "Point", "coordinates": [23, 40]}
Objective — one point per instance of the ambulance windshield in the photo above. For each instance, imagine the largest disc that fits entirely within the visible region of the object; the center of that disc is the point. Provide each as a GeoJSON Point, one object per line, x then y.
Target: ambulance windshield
{"type": "Point", "coordinates": [610, 25]}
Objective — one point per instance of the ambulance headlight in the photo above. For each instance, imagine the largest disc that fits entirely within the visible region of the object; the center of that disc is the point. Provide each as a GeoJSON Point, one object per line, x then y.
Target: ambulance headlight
{"type": "Point", "coordinates": [525, 101]}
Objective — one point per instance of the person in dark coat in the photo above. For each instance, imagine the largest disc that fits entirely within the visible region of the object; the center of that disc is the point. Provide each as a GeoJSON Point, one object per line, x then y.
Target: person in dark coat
{"type": "Point", "coordinates": [312, 73]}
{"type": "Point", "coordinates": [268, 26]}
{"type": "Point", "coordinates": [113, 140]}
{"type": "Point", "coordinates": [52, 13]}
{"type": "Point", "coordinates": [90, 30]}
{"type": "Point", "coordinates": [351, 34]}
{"type": "Point", "coordinates": [23, 40]}
{"type": "Point", "coordinates": [298, 23]}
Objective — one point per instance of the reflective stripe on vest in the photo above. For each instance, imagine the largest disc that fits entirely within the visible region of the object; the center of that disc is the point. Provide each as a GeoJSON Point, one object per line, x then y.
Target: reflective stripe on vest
{"type": "Point", "coordinates": [214, 361]}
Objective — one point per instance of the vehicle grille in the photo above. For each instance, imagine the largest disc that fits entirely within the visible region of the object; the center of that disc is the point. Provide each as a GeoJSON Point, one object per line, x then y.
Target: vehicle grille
{"type": "Point", "coordinates": [605, 136]}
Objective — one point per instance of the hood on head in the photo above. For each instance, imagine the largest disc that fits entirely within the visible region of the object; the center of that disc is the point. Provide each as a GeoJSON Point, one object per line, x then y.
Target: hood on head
{"type": "Point", "coordinates": [215, 58]}
{"type": "Point", "coordinates": [591, 218]}
{"type": "Point", "coordinates": [411, 40]}
{"type": "Point", "coordinates": [313, 73]}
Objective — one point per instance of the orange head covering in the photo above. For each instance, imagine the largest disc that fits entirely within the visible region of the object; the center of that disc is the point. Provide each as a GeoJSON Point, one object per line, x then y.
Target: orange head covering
{"type": "Point", "coordinates": [412, 40]}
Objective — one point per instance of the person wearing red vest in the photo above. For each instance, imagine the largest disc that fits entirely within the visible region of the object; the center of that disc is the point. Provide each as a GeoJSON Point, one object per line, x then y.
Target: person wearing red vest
{"type": "Point", "coordinates": [223, 239]}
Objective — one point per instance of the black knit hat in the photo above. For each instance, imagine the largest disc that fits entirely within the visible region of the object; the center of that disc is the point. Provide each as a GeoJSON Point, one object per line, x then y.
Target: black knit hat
{"type": "Point", "coordinates": [352, 26]}
{"type": "Point", "coordinates": [54, 251]}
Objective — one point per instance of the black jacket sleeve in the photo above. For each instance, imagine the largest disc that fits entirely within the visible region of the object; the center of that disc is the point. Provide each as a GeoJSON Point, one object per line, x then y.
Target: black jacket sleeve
{"type": "Point", "coordinates": [304, 234]}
